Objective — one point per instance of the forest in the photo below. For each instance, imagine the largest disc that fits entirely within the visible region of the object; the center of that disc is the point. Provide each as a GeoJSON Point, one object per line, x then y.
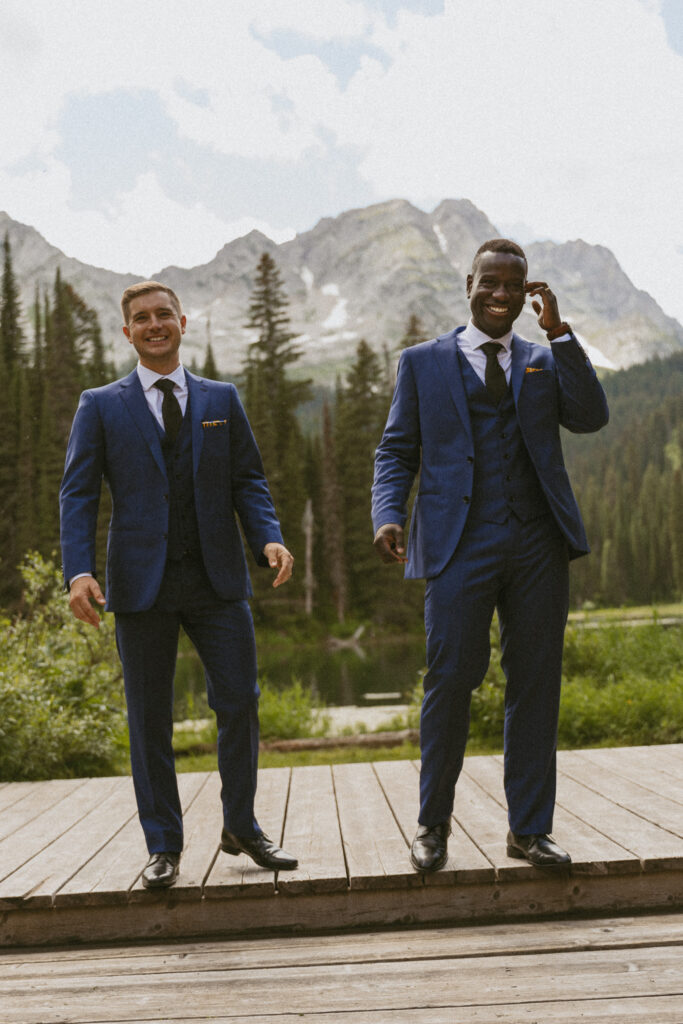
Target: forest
{"type": "Point", "coordinates": [318, 446]}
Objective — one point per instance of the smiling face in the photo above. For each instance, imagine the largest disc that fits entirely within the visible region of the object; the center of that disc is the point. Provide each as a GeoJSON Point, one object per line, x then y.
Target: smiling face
{"type": "Point", "coordinates": [496, 292]}
{"type": "Point", "coordinates": [155, 329]}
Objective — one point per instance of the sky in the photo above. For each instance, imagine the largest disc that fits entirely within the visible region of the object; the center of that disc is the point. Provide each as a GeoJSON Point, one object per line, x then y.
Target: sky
{"type": "Point", "coordinates": [135, 136]}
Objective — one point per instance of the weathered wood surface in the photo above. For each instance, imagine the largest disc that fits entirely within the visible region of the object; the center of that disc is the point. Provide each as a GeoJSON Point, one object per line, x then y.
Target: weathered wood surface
{"type": "Point", "coordinates": [623, 969]}
{"type": "Point", "coordinates": [71, 851]}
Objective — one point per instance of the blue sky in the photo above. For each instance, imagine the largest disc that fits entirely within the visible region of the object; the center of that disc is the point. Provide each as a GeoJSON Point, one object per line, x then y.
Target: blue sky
{"type": "Point", "coordinates": [137, 136]}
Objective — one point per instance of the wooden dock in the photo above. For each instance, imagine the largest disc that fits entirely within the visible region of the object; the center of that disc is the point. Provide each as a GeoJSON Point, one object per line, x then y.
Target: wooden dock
{"type": "Point", "coordinates": [71, 853]}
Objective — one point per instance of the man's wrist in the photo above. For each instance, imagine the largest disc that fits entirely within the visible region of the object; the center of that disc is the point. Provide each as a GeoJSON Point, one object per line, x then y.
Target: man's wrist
{"type": "Point", "coordinates": [558, 332]}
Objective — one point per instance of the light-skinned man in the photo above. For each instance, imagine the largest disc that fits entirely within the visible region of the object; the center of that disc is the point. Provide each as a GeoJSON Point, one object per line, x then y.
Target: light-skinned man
{"type": "Point", "coordinates": [182, 465]}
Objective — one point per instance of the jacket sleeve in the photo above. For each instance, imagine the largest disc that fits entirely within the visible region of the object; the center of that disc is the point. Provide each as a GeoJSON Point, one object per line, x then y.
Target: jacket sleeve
{"type": "Point", "coordinates": [250, 492]}
{"type": "Point", "coordinates": [79, 495]}
{"type": "Point", "coordinates": [397, 458]}
{"type": "Point", "coordinates": [583, 405]}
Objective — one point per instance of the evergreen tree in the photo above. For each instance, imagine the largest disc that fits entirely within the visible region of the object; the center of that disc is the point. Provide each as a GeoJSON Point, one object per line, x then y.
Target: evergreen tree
{"type": "Point", "coordinates": [359, 420]}
{"type": "Point", "coordinates": [414, 333]}
{"type": "Point", "coordinates": [332, 513]}
{"type": "Point", "coordinates": [210, 370]}
{"type": "Point", "coordinates": [272, 397]}
{"type": "Point", "coordinates": [11, 333]}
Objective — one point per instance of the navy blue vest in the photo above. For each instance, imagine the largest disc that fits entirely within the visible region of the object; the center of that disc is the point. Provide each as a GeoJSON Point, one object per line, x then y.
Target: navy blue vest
{"type": "Point", "coordinates": [505, 481]}
{"type": "Point", "coordinates": [183, 531]}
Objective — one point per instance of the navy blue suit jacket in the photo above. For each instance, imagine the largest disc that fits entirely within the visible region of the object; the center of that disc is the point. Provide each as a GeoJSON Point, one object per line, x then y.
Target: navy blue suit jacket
{"type": "Point", "coordinates": [428, 430]}
{"type": "Point", "coordinates": [114, 436]}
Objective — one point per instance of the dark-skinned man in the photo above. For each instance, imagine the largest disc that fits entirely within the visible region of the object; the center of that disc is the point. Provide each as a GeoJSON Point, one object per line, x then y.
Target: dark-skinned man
{"type": "Point", "coordinates": [476, 412]}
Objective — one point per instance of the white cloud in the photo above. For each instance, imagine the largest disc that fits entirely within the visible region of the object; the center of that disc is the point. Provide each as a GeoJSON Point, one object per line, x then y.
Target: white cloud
{"type": "Point", "coordinates": [565, 116]}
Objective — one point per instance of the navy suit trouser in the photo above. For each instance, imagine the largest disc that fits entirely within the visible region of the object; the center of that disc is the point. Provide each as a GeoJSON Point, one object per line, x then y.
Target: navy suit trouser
{"type": "Point", "coordinates": [520, 569]}
{"type": "Point", "coordinates": [223, 635]}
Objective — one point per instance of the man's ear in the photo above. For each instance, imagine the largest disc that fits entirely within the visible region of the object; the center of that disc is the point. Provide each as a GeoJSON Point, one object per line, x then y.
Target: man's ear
{"type": "Point", "coordinates": [126, 331]}
{"type": "Point", "coordinates": [469, 284]}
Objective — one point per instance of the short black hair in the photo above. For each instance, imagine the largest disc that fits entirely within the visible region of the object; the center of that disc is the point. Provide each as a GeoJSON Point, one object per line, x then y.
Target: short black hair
{"type": "Point", "coordinates": [499, 245]}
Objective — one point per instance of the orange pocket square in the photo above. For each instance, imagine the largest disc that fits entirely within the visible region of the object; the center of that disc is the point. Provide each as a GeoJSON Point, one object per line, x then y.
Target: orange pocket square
{"type": "Point", "coordinates": [213, 423]}
{"type": "Point", "coordinates": [534, 369]}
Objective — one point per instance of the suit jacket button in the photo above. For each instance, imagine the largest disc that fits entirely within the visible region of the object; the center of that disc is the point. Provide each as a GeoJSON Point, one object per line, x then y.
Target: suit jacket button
{"type": "Point", "coordinates": [466, 499]}
{"type": "Point", "coordinates": [470, 458]}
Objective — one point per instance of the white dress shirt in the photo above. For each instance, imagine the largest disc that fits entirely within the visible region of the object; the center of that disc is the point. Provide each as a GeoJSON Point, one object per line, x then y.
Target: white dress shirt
{"type": "Point", "coordinates": [470, 341]}
{"type": "Point", "coordinates": [155, 396]}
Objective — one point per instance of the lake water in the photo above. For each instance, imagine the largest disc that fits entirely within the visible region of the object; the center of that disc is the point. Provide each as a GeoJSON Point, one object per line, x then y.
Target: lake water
{"type": "Point", "coordinates": [370, 674]}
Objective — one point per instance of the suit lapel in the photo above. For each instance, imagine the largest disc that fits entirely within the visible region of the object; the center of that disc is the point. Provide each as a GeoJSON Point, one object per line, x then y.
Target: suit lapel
{"type": "Point", "coordinates": [520, 352]}
{"type": "Point", "coordinates": [134, 399]}
{"type": "Point", "coordinates": [449, 364]}
{"type": "Point", "coordinates": [199, 397]}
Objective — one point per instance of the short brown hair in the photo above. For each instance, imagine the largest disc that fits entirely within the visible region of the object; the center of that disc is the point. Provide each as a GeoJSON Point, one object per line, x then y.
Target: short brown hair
{"type": "Point", "coordinates": [144, 288]}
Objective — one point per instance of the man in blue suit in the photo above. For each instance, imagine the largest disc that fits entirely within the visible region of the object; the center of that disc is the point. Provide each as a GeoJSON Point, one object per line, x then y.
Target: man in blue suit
{"type": "Point", "coordinates": [477, 413]}
{"type": "Point", "coordinates": [181, 463]}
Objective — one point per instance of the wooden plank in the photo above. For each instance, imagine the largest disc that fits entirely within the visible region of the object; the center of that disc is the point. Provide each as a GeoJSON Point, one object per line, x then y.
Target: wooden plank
{"type": "Point", "coordinates": [10, 793]}
{"type": "Point", "coordinates": [36, 881]}
{"type": "Point", "coordinates": [484, 819]}
{"type": "Point", "coordinates": [591, 852]}
{"type": "Point", "coordinates": [312, 833]}
{"type": "Point", "coordinates": [25, 846]}
{"type": "Point", "coordinates": [109, 875]}
{"type": "Point", "coordinates": [655, 847]}
{"type": "Point", "coordinates": [659, 1009]}
{"type": "Point", "coordinates": [239, 876]}
{"type": "Point", "coordinates": [38, 798]}
{"type": "Point", "coordinates": [667, 756]}
{"type": "Point", "coordinates": [645, 772]}
{"type": "Point", "coordinates": [654, 807]}
{"type": "Point", "coordinates": [466, 863]}
{"type": "Point", "coordinates": [190, 785]}
{"type": "Point", "coordinates": [491, 940]}
{"type": "Point", "coordinates": [202, 822]}
{"type": "Point", "coordinates": [376, 851]}
{"type": "Point", "coordinates": [565, 978]}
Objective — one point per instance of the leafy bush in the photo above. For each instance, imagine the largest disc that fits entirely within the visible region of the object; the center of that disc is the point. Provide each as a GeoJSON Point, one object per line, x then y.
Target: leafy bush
{"type": "Point", "coordinates": [622, 686]}
{"type": "Point", "coordinates": [61, 696]}
{"type": "Point", "coordinates": [290, 713]}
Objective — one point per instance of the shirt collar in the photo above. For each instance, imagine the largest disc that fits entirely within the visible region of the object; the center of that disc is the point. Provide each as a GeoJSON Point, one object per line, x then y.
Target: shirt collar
{"type": "Point", "coordinates": [473, 338]}
{"type": "Point", "coordinates": [148, 378]}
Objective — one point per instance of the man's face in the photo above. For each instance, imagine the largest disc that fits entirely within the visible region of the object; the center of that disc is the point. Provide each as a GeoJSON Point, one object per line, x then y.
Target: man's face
{"type": "Point", "coordinates": [496, 292]}
{"type": "Point", "coordinates": [155, 329]}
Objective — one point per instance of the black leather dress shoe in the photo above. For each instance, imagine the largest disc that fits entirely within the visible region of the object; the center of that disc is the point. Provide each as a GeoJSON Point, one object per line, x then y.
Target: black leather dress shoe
{"type": "Point", "coordinates": [261, 850]}
{"type": "Point", "coordinates": [539, 850]}
{"type": "Point", "coordinates": [161, 870]}
{"type": "Point", "coordinates": [429, 851]}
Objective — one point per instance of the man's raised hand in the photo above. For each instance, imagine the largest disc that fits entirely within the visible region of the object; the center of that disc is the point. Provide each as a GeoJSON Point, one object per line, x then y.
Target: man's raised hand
{"type": "Point", "coordinates": [548, 314]}
{"type": "Point", "coordinates": [390, 544]}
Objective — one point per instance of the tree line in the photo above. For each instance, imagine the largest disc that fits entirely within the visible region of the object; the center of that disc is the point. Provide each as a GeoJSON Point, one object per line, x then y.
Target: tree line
{"type": "Point", "coordinates": [318, 446]}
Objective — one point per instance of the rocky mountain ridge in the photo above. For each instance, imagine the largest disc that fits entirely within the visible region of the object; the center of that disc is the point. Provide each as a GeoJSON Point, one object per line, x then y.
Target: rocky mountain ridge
{"type": "Point", "coordinates": [361, 275]}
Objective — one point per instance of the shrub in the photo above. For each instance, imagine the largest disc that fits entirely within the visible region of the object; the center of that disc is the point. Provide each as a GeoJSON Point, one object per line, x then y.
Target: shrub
{"type": "Point", "coordinates": [622, 686]}
{"type": "Point", "coordinates": [61, 697]}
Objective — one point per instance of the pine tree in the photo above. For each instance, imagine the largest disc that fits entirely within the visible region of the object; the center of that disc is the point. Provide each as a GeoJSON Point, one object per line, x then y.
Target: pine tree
{"type": "Point", "coordinates": [272, 397]}
{"type": "Point", "coordinates": [332, 514]}
{"type": "Point", "coordinates": [414, 333]}
{"type": "Point", "coordinates": [359, 419]}
{"type": "Point", "coordinates": [11, 333]}
{"type": "Point", "coordinates": [210, 370]}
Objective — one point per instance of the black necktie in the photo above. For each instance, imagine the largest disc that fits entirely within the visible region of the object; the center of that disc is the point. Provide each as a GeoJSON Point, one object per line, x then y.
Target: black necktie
{"type": "Point", "coordinates": [496, 384]}
{"type": "Point", "coordinates": [170, 410]}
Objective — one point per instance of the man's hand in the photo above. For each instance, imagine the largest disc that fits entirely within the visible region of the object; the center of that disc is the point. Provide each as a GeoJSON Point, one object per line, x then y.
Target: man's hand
{"type": "Point", "coordinates": [548, 315]}
{"type": "Point", "coordinates": [389, 543]}
{"type": "Point", "coordinates": [279, 558]}
{"type": "Point", "coordinates": [83, 591]}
